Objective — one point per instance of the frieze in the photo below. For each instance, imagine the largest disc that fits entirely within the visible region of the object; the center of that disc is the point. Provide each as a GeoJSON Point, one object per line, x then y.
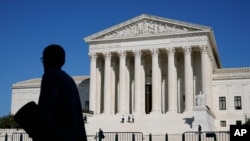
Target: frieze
{"type": "Point", "coordinates": [146, 27]}
{"type": "Point", "coordinates": [165, 41]}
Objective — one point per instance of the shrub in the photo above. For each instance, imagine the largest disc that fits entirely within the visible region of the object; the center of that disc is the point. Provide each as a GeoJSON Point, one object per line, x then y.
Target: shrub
{"type": "Point", "coordinates": [8, 121]}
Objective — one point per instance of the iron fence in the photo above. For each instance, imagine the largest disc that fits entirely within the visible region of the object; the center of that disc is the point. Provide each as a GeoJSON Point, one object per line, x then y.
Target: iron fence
{"type": "Point", "coordinates": [21, 137]}
{"type": "Point", "coordinates": [206, 136]}
{"type": "Point", "coordinates": [121, 136]}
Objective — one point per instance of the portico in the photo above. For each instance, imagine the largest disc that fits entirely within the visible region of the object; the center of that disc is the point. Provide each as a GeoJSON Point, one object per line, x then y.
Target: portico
{"type": "Point", "coordinates": [144, 78]}
{"type": "Point", "coordinates": [150, 65]}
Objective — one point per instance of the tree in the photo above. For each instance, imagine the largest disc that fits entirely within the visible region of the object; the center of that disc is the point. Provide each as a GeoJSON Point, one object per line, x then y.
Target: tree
{"type": "Point", "coordinates": [8, 121]}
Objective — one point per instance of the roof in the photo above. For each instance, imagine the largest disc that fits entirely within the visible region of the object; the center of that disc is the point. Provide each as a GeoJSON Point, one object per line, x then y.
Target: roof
{"type": "Point", "coordinates": [172, 26]}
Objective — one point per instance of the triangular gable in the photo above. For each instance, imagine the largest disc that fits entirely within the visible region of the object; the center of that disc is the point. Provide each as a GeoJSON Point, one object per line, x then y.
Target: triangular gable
{"type": "Point", "coordinates": [146, 25]}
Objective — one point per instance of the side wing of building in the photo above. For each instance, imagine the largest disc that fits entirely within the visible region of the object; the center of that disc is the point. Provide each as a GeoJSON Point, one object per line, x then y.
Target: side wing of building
{"type": "Point", "coordinates": [29, 90]}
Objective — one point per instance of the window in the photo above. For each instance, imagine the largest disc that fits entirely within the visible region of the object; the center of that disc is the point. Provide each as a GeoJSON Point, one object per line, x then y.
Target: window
{"type": "Point", "coordinates": [223, 123]}
{"type": "Point", "coordinates": [222, 103]}
{"type": "Point", "coordinates": [237, 102]}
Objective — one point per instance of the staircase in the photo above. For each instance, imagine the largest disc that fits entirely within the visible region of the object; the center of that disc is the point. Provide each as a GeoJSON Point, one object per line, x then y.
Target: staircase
{"type": "Point", "coordinates": [147, 123]}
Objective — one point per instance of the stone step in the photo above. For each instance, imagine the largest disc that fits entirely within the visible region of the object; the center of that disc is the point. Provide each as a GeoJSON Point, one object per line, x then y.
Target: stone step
{"type": "Point", "coordinates": [152, 123]}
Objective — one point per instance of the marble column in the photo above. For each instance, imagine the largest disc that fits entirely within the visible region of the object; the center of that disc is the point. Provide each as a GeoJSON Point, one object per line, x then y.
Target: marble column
{"type": "Point", "coordinates": [142, 85]}
{"type": "Point", "coordinates": [129, 87]}
{"type": "Point", "coordinates": [205, 77]}
{"type": "Point", "coordinates": [92, 90]}
{"type": "Point", "coordinates": [156, 102]}
{"type": "Point", "coordinates": [122, 84]}
{"type": "Point", "coordinates": [107, 88]}
{"type": "Point", "coordinates": [172, 81]}
{"type": "Point", "coordinates": [137, 73]}
{"type": "Point", "coordinates": [98, 85]}
{"type": "Point", "coordinates": [188, 79]}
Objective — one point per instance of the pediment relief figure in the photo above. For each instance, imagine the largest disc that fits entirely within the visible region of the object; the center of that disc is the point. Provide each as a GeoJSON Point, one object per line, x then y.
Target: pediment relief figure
{"type": "Point", "coordinates": [146, 27]}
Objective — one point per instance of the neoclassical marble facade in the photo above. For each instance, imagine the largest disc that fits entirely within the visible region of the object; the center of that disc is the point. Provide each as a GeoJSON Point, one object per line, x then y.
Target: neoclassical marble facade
{"type": "Point", "coordinates": [151, 65]}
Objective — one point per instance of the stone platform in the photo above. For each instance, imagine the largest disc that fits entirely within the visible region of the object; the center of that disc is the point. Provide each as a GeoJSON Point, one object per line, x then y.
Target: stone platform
{"type": "Point", "coordinates": [149, 123]}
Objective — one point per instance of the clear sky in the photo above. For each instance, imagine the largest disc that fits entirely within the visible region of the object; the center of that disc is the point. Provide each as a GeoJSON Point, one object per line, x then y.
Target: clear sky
{"type": "Point", "coordinates": [27, 26]}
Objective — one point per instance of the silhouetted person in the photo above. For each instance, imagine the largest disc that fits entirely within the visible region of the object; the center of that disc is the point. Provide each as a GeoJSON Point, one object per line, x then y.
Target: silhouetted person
{"type": "Point", "coordinates": [129, 118]}
{"type": "Point", "coordinates": [59, 103]}
{"type": "Point", "coordinates": [85, 119]}
{"type": "Point", "coordinates": [199, 128]}
{"type": "Point", "coordinates": [122, 119]}
{"type": "Point", "coordinates": [100, 134]}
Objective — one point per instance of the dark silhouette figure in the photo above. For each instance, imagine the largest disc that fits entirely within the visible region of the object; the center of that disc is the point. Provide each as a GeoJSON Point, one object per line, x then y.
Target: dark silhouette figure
{"type": "Point", "coordinates": [199, 128]}
{"type": "Point", "coordinates": [122, 119]}
{"type": "Point", "coordinates": [100, 134]}
{"type": "Point", "coordinates": [85, 119]}
{"type": "Point", "coordinates": [133, 120]}
{"type": "Point", "coordinates": [59, 103]}
{"type": "Point", "coordinates": [129, 118]}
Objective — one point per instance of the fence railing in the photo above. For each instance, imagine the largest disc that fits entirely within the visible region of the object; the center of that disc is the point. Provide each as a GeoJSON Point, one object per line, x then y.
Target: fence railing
{"type": "Point", "coordinates": [20, 137]}
{"type": "Point", "coordinates": [120, 136]}
{"type": "Point", "coordinates": [138, 136]}
{"type": "Point", "coordinates": [206, 136]}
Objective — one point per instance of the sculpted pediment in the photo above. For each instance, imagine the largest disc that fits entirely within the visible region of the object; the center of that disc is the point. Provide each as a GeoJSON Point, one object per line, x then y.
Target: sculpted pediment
{"type": "Point", "coordinates": [146, 25]}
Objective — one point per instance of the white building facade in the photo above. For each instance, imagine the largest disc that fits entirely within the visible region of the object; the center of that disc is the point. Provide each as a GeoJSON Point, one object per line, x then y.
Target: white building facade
{"type": "Point", "coordinates": [152, 65]}
{"type": "Point", "coordinates": [160, 70]}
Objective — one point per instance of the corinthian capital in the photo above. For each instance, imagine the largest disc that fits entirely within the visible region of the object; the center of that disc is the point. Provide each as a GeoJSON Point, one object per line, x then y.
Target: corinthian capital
{"type": "Point", "coordinates": [93, 56]}
{"type": "Point", "coordinates": [122, 54]}
{"type": "Point", "coordinates": [154, 52]}
{"type": "Point", "coordinates": [107, 55]}
{"type": "Point", "coordinates": [170, 51]}
{"type": "Point", "coordinates": [204, 49]}
{"type": "Point", "coordinates": [137, 53]}
{"type": "Point", "coordinates": [187, 50]}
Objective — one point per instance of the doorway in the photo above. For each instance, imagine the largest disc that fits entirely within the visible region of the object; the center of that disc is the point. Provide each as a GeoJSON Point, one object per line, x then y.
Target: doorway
{"type": "Point", "coordinates": [148, 98]}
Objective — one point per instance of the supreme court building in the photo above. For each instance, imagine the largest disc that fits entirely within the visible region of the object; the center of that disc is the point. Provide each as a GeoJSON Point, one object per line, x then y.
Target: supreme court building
{"type": "Point", "coordinates": [164, 73]}
{"type": "Point", "coordinates": [152, 67]}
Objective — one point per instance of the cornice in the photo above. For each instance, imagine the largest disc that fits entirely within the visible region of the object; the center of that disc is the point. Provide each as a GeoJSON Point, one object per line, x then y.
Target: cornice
{"type": "Point", "coordinates": [231, 73]}
{"type": "Point", "coordinates": [167, 42]}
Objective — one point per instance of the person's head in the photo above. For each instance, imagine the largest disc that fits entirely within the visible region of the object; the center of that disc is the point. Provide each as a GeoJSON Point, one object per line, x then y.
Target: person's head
{"type": "Point", "coordinates": [53, 57]}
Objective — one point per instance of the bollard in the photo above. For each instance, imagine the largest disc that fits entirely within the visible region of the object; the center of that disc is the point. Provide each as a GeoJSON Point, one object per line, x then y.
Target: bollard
{"type": "Point", "coordinates": [6, 137]}
{"type": "Point", "coordinates": [150, 137]}
{"type": "Point", "coordinates": [133, 137]}
{"type": "Point", "coordinates": [21, 137]}
{"type": "Point", "coordinates": [199, 136]}
{"type": "Point", "coordinates": [116, 137]}
{"type": "Point", "coordinates": [166, 137]}
{"type": "Point", "coordinates": [183, 136]}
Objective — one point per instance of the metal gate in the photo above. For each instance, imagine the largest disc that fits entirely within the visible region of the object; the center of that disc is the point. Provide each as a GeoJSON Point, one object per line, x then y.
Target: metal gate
{"type": "Point", "coordinates": [121, 136]}
{"type": "Point", "coordinates": [206, 136]}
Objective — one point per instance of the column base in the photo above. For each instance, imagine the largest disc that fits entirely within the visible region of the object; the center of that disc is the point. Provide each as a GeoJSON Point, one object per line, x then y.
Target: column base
{"type": "Point", "coordinates": [172, 112]}
{"type": "Point", "coordinates": [155, 113]}
{"type": "Point", "coordinates": [188, 111]}
{"type": "Point", "coordinates": [106, 113]}
{"type": "Point", "coordinates": [121, 113]}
